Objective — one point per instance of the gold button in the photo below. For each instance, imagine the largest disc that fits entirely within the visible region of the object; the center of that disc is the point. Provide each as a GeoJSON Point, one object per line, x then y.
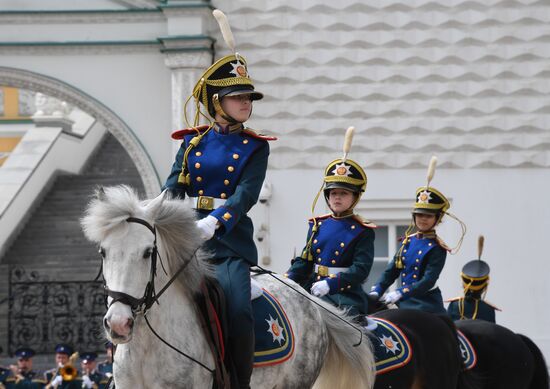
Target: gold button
{"type": "Point", "coordinates": [419, 252]}
{"type": "Point", "coordinates": [336, 253]}
{"type": "Point", "coordinates": [342, 244]}
{"type": "Point", "coordinates": [415, 268]}
{"type": "Point", "coordinates": [235, 156]}
{"type": "Point", "coordinates": [201, 192]}
{"type": "Point", "coordinates": [417, 260]}
{"type": "Point", "coordinates": [230, 168]}
{"type": "Point", "coordinates": [226, 182]}
{"type": "Point", "coordinates": [198, 153]}
{"type": "Point", "coordinates": [341, 289]}
{"type": "Point", "coordinates": [318, 277]}
{"type": "Point", "coordinates": [404, 250]}
{"type": "Point", "coordinates": [332, 275]}
{"type": "Point", "coordinates": [319, 260]}
{"type": "Point", "coordinates": [198, 165]}
{"type": "Point", "coordinates": [333, 261]}
{"type": "Point", "coordinates": [403, 283]}
{"type": "Point", "coordinates": [315, 241]}
{"type": "Point", "coordinates": [285, 275]}
{"type": "Point", "coordinates": [349, 286]}
{"type": "Point", "coordinates": [320, 223]}
{"type": "Point", "coordinates": [227, 216]}
{"type": "Point", "coordinates": [429, 244]}
{"type": "Point", "coordinates": [353, 227]}
{"type": "Point", "coordinates": [245, 141]}
{"type": "Point", "coordinates": [199, 179]}
{"type": "Point", "coordinates": [414, 275]}
{"type": "Point", "coordinates": [318, 251]}
{"type": "Point", "coordinates": [223, 195]}
{"type": "Point", "coordinates": [404, 275]}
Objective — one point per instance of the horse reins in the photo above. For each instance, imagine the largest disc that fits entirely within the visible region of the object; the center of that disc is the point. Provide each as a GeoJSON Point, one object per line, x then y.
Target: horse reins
{"type": "Point", "coordinates": [142, 305]}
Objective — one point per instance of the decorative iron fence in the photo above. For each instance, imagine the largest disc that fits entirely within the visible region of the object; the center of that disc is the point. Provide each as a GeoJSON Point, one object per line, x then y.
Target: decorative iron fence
{"type": "Point", "coordinates": [45, 313]}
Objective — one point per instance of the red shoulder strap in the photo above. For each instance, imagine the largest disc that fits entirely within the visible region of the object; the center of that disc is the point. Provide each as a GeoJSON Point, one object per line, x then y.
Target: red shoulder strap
{"type": "Point", "coordinates": [253, 134]}
{"type": "Point", "coordinates": [179, 134]}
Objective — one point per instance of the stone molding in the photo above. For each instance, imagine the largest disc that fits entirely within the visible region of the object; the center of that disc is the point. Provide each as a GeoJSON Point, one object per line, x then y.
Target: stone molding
{"type": "Point", "coordinates": [49, 86]}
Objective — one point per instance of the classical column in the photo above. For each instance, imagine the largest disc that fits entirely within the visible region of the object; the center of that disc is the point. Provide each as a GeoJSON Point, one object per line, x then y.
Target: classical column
{"type": "Point", "coordinates": [186, 69]}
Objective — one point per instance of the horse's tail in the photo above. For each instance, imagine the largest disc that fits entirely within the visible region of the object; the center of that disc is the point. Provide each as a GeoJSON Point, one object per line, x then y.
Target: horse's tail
{"type": "Point", "coordinates": [347, 365]}
{"type": "Point", "coordinates": [540, 375]}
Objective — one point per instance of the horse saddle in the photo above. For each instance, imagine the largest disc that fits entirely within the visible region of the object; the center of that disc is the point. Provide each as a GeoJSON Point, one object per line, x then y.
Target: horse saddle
{"type": "Point", "coordinates": [274, 338]}
{"type": "Point", "coordinates": [467, 351]}
{"type": "Point", "coordinates": [392, 349]}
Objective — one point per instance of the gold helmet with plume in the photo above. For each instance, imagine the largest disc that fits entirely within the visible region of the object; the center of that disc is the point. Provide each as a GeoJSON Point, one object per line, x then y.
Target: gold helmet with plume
{"type": "Point", "coordinates": [228, 76]}
{"type": "Point", "coordinates": [345, 173]}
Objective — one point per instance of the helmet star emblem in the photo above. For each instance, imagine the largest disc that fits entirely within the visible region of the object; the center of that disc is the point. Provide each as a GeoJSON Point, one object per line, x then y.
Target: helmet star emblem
{"type": "Point", "coordinates": [342, 169]}
{"type": "Point", "coordinates": [239, 70]}
{"type": "Point", "coordinates": [424, 197]}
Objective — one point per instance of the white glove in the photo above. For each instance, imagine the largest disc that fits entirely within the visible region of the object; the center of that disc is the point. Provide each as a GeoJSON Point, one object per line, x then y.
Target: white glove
{"type": "Point", "coordinates": [58, 380]}
{"type": "Point", "coordinates": [392, 297]}
{"type": "Point", "coordinates": [86, 381]}
{"type": "Point", "coordinates": [320, 288]}
{"type": "Point", "coordinates": [374, 294]}
{"type": "Point", "coordinates": [207, 226]}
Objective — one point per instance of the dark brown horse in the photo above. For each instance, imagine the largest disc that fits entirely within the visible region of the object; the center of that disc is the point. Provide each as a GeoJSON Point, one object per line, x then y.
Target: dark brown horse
{"type": "Point", "coordinates": [505, 360]}
{"type": "Point", "coordinates": [435, 361]}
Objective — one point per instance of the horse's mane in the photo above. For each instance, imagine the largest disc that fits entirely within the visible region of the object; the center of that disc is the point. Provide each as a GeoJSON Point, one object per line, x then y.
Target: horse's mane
{"type": "Point", "coordinates": [178, 238]}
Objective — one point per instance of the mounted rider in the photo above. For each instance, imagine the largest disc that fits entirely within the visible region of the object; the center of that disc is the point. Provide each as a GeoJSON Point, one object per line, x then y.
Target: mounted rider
{"type": "Point", "coordinates": [221, 168]}
{"type": "Point", "coordinates": [421, 257]}
{"type": "Point", "coordinates": [475, 280]}
{"type": "Point", "coordinates": [339, 252]}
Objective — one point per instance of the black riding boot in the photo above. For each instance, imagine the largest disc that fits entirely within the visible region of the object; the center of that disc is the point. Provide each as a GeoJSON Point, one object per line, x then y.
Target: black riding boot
{"type": "Point", "coordinates": [242, 350]}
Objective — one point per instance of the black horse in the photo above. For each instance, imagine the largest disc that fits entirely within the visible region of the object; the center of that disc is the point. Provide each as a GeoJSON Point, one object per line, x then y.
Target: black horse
{"type": "Point", "coordinates": [435, 361]}
{"type": "Point", "coordinates": [505, 360]}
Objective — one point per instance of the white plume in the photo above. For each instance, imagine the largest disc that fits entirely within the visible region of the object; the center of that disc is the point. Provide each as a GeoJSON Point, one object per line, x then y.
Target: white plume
{"type": "Point", "coordinates": [225, 28]}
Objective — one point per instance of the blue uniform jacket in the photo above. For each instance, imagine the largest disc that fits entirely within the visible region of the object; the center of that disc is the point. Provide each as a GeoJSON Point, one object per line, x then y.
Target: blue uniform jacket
{"type": "Point", "coordinates": [482, 309]}
{"type": "Point", "coordinates": [423, 260]}
{"type": "Point", "coordinates": [227, 166]}
{"type": "Point", "coordinates": [339, 242]}
{"type": "Point", "coordinates": [31, 380]}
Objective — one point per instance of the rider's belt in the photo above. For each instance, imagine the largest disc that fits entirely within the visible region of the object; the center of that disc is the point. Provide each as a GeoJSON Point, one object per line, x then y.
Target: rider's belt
{"type": "Point", "coordinates": [325, 271]}
{"type": "Point", "coordinates": [207, 203]}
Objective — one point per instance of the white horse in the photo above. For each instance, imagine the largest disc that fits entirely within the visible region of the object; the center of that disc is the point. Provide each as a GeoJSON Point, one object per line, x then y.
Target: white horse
{"type": "Point", "coordinates": [326, 347]}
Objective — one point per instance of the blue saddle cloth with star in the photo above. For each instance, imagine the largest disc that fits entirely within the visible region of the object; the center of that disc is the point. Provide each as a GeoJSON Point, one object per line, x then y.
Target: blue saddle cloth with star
{"type": "Point", "coordinates": [467, 351]}
{"type": "Point", "coordinates": [392, 349]}
{"type": "Point", "coordinates": [273, 332]}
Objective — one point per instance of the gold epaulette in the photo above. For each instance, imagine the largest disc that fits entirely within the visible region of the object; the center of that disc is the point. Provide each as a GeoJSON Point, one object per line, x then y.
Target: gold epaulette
{"type": "Point", "coordinates": [253, 134]}
{"type": "Point", "coordinates": [492, 306]}
{"type": "Point", "coordinates": [364, 222]}
{"type": "Point", "coordinates": [454, 299]}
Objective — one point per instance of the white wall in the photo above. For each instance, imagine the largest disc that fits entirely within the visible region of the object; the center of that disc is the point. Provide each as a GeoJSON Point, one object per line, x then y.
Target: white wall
{"type": "Point", "coordinates": [510, 207]}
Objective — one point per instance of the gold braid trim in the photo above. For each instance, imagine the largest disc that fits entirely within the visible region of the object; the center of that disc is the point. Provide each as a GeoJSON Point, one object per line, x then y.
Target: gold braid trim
{"type": "Point", "coordinates": [184, 177]}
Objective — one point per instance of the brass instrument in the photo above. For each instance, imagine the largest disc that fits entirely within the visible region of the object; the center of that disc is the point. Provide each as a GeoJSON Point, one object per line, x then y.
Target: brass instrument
{"type": "Point", "coordinates": [68, 371]}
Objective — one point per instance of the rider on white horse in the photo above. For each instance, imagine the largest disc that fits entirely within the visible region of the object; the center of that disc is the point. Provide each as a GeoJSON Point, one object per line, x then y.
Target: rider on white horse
{"type": "Point", "coordinates": [221, 167]}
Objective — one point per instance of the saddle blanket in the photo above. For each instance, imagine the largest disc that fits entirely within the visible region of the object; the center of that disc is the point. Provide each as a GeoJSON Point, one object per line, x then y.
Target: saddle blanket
{"type": "Point", "coordinates": [392, 349]}
{"type": "Point", "coordinates": [467, 351]}
{"type": "Point", "coordinates": [274, 336]}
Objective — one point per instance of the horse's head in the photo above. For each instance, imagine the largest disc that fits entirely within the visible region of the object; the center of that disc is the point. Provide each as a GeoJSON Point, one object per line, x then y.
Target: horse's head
{"type": "Point", "coordinates": [127, 231]}
{"type": "Point", "coordinates": [123, 228]}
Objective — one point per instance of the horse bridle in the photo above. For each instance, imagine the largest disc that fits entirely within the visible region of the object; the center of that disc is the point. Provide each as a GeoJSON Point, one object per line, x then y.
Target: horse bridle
{"type": "Point", "coordinates": [142, 305]}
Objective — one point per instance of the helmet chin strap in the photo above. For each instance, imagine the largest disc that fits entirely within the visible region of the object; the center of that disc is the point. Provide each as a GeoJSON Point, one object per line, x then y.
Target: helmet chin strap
{"type": "Point", "coordinates": [216, 102]}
